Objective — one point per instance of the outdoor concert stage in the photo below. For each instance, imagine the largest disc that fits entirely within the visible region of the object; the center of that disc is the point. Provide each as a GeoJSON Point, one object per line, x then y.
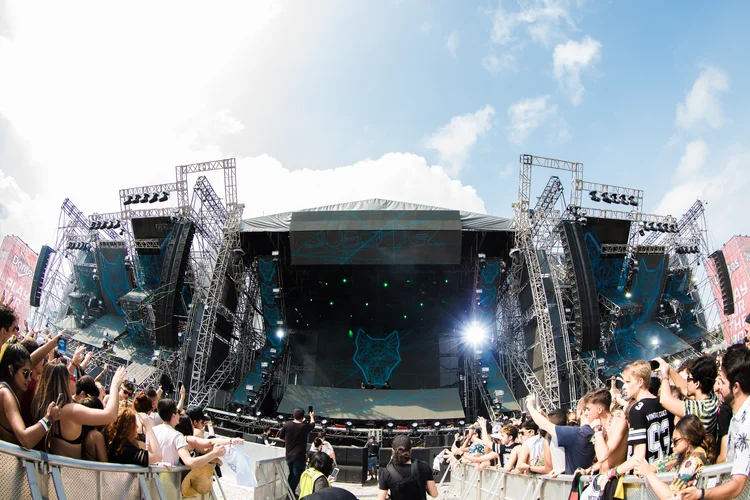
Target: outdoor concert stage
{"type": "Point", "coordinates": [375, 291]}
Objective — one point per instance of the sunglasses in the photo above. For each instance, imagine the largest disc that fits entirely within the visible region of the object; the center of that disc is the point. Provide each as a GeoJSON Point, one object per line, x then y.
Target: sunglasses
{"type": "Point", "coordinates": [26, 373]}
{"type": "Point", "coordinates": [127, 392]}
{"type": "Point", "coordinates": [690, 379]}
{"type": "Point", "coordinates": [677, 441]}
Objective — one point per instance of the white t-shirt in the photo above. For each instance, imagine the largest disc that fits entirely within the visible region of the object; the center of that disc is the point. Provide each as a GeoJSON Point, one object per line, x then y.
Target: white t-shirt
{"type": "Point", "coordinates": [558, 454]}
{"type": "Point", "coordinates": [170, 441]}
{"type": "Point", "coordinates": [738, 450]}
{"type": "Point", "coordinates": [156, 418]}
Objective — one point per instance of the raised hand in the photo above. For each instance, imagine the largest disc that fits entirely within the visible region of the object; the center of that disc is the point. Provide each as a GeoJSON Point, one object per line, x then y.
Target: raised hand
{"type": "Point", "coordinates": [119, 377]}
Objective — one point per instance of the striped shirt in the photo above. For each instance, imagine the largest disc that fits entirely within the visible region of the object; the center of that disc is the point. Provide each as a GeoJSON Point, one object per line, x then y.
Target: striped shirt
{"type": "Point", "coordinates": [706, 409]}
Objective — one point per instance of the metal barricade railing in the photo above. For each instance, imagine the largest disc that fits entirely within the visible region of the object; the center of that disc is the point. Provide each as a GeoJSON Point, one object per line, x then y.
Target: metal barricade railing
{"type": "Point", "coordinates": [468, 483]}
{"type": "Point", "coordinates": [28, 474]}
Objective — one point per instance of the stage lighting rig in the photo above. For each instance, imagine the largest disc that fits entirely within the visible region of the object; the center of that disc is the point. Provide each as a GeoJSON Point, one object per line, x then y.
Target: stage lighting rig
{"type": "Point", "coordinates": [594, 196]}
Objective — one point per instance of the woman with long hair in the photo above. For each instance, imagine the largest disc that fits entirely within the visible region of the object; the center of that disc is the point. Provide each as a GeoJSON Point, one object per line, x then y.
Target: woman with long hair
{"type": "Point", "coordinates": [693, 448]}
{"type": "Point", "coordinates": [406, 479]}
{"type": "Point", "coordinates": [123, 445]}
{"type": "Point", "coordinates": [316, 476]}
{"type": "Point", "coordinates": [67, 434]}
{"type": "Point", "coordinates": [201, 446]}
{"type": "Point", "coordinates": [15, 373]}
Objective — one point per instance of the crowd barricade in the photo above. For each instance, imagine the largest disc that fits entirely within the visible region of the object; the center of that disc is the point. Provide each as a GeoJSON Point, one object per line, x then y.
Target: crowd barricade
{"type": "Point", "coordinates": [468, 483]}
{"type": "Point", "coordinates": [29, 474]}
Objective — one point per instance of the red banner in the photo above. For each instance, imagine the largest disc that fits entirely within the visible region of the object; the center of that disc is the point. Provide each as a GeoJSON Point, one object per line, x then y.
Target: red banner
{"type": "Point", "coordinates": [17, 264]}
{"type": "Point", "coordinates": [737, 254]}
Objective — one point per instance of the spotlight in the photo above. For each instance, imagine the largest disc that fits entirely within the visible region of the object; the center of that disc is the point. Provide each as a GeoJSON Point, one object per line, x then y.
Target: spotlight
{"type": "Point", "coordinates": [415, 425]}
{"type": "Point", "coordinates": [136, 198]}
{"type": "Point", "coordinates": [594, 197]}
{"type": "Point", "coordinates": [474, 333]}
{"type": "Point", "coordinates": [390, 425]}
{"type": "Point", "coordinates": [628, 295]}
{"type": "Point", "coordinates": [436, 424]}
{"type": "Point", "coordinates": [515, 253]}
{"type": "Point", "coordinates": [117, 225]}
{"type": "Point", "coordinates": [323, 422]}
{"type": "Point", "coordinates": [655, 341]}
{"type": "Point", "coordinates": [624, 199]}
{"type": "Point", "coordinates": [615, 199]}
{"type": "Point", "coordinates": [642, 232]}
{"type": "Point", "coordinates": [164, 196]}
{"type": "Point", "coordinates": [258, 413]}
{"type": "Point", "coordinates": [280, 417]}
{"type": "Point", "coordinates": [606, 198]}
{"type": "Point", "coordinates": [660, 227]}
{"type": "Point", "coordinates": [144, 198]}
{"type": "Point", "coordinates": [632, 201]}
{"type": "Point", "coordinates": [128, 200]}
{"type": "Point", "coordinates": [461, 422]}
{"type": "Point", "coordinates": [280, 333]}
{"type": "Point", "coordinates": [348, 423]}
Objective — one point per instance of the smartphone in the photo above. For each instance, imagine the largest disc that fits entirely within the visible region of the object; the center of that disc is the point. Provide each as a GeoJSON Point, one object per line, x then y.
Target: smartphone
{"type": "Point", "coordinates": [179, 386]}
{"type": "Point", "coordinates": [60, 399]}
{"type": "Point", "coordinates": [309, 409]}
{"type": "Point", "coordinates": [654, 365]}
{"type": "Point", "coordinates": [335, 472]}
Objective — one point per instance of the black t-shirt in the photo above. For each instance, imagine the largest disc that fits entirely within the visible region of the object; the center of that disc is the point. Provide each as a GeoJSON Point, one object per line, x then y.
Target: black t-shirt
{"type": "Point", "coordinates": [372, 449]}
{"type": "Point", "coordinates": [505, 452]}
{"type": "Point", "coordinates": [722, 425]}
{"type": "Point", "coordinates": [387, 480]}
{"type": "Point", "coordinates": [295, 436]}
{"type": "Point", "coordinates": [650, 424]}
{"type": "Point", "coordinates": [130, 455]}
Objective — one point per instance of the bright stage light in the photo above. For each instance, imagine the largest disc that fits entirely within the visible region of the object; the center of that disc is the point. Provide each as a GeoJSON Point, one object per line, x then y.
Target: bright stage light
{"type": "Point", "coordinates": [628, 295]}
{"type": "Point", "coordinates": [280, 333]}
{"type": "Point", "coordinates": [474, 333]}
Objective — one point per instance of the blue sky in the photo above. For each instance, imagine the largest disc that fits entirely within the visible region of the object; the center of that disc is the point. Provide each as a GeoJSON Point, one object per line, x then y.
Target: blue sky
{"type": "Point", "coordinates": [332, 101]}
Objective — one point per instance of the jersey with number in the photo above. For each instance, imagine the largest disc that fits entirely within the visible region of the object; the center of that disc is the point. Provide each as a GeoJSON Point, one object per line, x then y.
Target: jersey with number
{"type": "Point", "coordinates": [650, 424]}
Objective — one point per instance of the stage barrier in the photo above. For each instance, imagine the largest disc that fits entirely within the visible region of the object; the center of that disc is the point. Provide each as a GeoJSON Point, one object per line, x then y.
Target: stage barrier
{"type": "Point", "coordinates": [29, 474]}
{"type": "Point", "coordinates": [467, 483]}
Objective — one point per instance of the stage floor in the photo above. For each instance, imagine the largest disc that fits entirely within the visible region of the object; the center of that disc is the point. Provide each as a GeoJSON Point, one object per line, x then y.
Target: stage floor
{"type": "Point", "coordinates": [361, 404]}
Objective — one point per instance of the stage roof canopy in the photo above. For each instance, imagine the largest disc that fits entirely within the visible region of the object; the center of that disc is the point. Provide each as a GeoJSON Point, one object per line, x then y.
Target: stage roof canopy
{"type": "Point", "coordinates": [470, 221]}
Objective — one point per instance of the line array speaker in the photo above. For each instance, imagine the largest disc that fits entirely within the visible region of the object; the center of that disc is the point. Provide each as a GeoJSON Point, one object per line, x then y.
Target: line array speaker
{"type": "Point", "coordinates": [584, 296]}
{"type": "Point", "coordinates": [725, 282]}
{"type": "Point", "coordinates": [37, 282]}
{"type": "Point", "coordinates": [172, 279]}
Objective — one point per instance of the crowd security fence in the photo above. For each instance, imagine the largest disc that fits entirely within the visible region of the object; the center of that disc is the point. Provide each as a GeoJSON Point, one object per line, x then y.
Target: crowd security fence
{"type": "Point", "coordinates": [468, 483]}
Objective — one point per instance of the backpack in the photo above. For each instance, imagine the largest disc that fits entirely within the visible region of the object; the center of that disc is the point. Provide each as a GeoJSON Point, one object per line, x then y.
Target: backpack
{"type": "Point", "coordinates": [406, 487]}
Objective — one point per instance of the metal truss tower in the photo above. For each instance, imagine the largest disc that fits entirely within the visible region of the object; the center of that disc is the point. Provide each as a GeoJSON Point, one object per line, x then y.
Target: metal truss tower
{"type": "Point", "coordinates": [199, 388]}
{"type": "Point", "coordinates": [72, 227]}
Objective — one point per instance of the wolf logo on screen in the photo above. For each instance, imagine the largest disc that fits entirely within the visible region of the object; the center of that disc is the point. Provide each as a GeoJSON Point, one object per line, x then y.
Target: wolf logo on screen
{"type": "Point", "coordinates": [377, 358]}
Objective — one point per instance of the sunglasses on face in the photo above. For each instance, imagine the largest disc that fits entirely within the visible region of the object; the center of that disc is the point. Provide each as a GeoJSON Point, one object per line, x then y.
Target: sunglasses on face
{"type": "Point", "coordinates": [677, 441]}
{"type": "Point", "coordinates": [127, 392]}
{"type": "Point", "coordinates": [690, 379]}
{"type": "Point", "coordinates": [26, 373]}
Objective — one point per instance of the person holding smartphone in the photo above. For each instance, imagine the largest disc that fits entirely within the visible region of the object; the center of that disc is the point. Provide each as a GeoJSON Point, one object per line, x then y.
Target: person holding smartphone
{"type": "Point", "coordinates": [294, 435]}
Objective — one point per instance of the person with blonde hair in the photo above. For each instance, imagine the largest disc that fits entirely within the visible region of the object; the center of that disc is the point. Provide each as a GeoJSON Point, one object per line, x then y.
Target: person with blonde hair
{"type": "Point", "coordinates": [650, 423]}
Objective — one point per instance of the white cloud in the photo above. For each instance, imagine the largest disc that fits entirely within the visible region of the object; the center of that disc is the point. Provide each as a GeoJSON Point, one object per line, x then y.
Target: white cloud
{"type": "Point", "coordinates": [702, 102]}
{"type": "Point", "coordinates": [543, 20]}
{"type": "Point", "coordinates": [695, 156]}
{"type": "Point", "coordinates": [496, 65]}
{"type": "Point", "coordinates": [723, 188]}
{"type": "Point", "coordinates": [569, 59]}
{"type": "Point", "coordinates": [527, 115]}
{"type": "Point", "coordinates": [454, 141]}
{"type": "Point", "coordinates": [394, 176]}
{"type": "Point", "coordinates": [452, 43]}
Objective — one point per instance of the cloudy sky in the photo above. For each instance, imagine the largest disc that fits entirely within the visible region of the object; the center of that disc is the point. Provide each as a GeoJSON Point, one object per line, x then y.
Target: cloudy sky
{"type": "Point", "coordinates": [332, 101]}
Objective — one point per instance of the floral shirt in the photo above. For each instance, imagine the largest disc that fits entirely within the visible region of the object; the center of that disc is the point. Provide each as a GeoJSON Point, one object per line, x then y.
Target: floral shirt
{"type": "Point", "coordinates": [738, 442]}
{"type": "Point", "coordinates": [687, 467]}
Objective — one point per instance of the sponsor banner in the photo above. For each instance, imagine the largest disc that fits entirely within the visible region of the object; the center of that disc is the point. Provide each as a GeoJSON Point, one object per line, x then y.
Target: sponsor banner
{"type": "Point", "coordinates": [737, 254]}
{"type": "Point", "coordinates": [17, 264]}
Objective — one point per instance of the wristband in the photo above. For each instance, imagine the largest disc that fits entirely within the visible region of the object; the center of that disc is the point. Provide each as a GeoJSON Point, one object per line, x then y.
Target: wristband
{"type": "Point", "coordinates": [703, 493]}
{"type": "Point", "coordinates": [45, 423]}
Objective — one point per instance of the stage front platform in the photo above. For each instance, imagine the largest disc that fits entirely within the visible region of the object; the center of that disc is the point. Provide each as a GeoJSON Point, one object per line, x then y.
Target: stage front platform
{"type": "Point", "coordinates": [360, 404]}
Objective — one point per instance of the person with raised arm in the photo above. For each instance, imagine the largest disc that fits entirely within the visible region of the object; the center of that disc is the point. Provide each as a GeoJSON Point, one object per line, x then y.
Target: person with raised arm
{"type": "Point", "coordinates": [733, 384]}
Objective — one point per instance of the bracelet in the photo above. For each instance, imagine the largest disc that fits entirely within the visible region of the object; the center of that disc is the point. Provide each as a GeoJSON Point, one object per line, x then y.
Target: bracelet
{"type": "Point", "coordinates": [45, 423]}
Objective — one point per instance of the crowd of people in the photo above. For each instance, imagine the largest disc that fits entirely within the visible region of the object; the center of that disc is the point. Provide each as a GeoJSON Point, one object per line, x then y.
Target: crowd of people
{"type": "Point", "coordinates": [661, 420]}
{"type": "Point", "coordinates": [49, 403]}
